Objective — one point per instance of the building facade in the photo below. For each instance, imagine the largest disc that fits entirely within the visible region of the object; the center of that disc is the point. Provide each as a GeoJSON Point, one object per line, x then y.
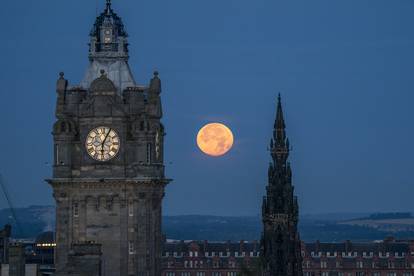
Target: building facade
{"type": "Point", "coordinates": [281, 254]}
{"type": "Point", "coordinates": [201, 258]}
{"type": "Point", "coordinates": [108, 173]}
{"type": "Point", "coordinates": [387, 258]}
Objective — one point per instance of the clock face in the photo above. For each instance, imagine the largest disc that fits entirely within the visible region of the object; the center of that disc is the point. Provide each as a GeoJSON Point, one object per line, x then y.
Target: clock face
{"type": "Point", "coordinates": [107, 36]}
{"type": "Point", "coordinates": [107, 39]}
{"type": "Point", "coordinates": [102, 143]}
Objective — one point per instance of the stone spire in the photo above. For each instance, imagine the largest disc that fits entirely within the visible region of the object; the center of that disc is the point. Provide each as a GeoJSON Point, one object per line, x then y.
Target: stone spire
{"type": "Point", "coordinates": [281, 250]}
{"type": "Point", "coordinates": [108, 50]}
{"type": "Point", "coordinates": [280, 148]}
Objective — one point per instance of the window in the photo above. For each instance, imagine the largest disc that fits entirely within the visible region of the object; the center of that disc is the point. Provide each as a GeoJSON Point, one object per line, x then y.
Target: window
{"type": "Point", "coordinates": [131, 208]}
{"type": "Point", "coordinates": [232, 273]}
{"type": "Point", "coordinates": [57, 161]}
{"type": "Point", "coordinates": [201, 274]}
{"type": "Point", "coordinates": [376, 274]}
{"type": "Point", "coordinates": [325, 274]}
{"type": "Point", "coordinates": [170, 274]}
{"type": "Point", "coordinates": [359, 264]}
{"type": "Point", "coordinates": [149, 153]}
{"type": "Point", "coordinates": [391, 274]}
{"type": "Point", "coordinates": [359, 273]}
{"type": "Point", "coordinates": [131, 249]}
{"type": "Point", "coordinates": [323, 264]}
{"type": "Point", "coordinates": [75, 209]}
{"type": "Point", "coordinates": [216, 274]}
{"type": "Point", "coordinates": [407, 274]}
{"type": "Point", "coordinates": [185, 274]}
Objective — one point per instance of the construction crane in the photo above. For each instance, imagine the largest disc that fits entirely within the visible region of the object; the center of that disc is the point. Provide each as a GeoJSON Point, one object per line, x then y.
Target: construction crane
{"type": "Point", "coordinates": [9, 202]}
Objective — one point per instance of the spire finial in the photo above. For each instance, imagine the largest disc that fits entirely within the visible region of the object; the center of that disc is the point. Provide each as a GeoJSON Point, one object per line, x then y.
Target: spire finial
{"type": "Point", "coordinates": [280, 122]}
{"type": "Point", "coordinates": [108, 3]}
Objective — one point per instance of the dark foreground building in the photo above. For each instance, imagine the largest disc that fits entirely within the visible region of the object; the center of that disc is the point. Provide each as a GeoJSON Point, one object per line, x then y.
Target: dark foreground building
{"type": "Point", "coordinates": [5, 234]}
{"type": "Point", "coordinates": [386, 258]}
{"type": "Point", "coordinates": [280, 240]}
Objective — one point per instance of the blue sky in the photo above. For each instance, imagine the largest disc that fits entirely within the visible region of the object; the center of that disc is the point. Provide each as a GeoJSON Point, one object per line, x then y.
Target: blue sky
{"type": "Point", "coordinates": [344, 68]}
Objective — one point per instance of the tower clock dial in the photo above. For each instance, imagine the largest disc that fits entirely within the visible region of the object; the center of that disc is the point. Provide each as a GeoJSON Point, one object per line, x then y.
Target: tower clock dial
{"type": "Point", "coordinates": [108, 36]}
{"type": "Point", "coordinates": [102, 143]}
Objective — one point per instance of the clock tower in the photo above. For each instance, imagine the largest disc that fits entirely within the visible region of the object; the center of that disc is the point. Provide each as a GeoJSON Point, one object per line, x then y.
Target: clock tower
{"type": "Point", "coordinates": [108, 172]}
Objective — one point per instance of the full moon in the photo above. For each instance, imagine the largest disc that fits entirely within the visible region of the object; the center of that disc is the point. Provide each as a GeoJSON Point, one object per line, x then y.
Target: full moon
{"type": "Point", "coordinates": [215, 139]}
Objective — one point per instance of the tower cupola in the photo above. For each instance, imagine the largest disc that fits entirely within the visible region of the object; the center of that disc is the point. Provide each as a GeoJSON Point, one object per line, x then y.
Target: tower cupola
{"type": "Point", "coordinates": [108, 36]}
{"type": "Point", "coordinates": [108, 50]}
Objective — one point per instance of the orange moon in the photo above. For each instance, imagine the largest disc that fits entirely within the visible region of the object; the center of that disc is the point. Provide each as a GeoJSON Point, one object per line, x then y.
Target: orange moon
{"type": "Point", "coordinates": [215, 139]}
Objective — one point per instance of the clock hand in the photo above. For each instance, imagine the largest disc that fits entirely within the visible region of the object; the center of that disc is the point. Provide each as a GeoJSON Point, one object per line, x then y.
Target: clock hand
{"type": "Point", "coordinates": [105, 139]}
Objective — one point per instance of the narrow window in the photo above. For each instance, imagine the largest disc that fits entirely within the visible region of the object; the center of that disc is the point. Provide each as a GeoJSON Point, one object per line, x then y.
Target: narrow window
{"type": "Point", "coordinates": [75, 209]}
{"type": "Point", "coordinates": [57, 154]}
{"type": "Point", "coordinates": [149, 153]}
{"type": "Point", "coordinates": [131, 248]}
{"type": "Point", "coordinates": [131, 208]}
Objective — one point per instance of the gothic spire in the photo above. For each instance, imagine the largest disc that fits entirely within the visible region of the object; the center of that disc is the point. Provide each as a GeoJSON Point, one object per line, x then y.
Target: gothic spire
{"type": "Point", "coordinates": [280, 148]}
{"type": "Point", "coordinates": [280, 242]}
{"type": "Point", "coordinates": [279, 122]}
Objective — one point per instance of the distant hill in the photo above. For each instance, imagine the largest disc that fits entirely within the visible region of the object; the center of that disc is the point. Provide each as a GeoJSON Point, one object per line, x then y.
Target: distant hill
{"type": "Point", "coordinates": [384, 216]}
{"type": "Point", "coordinates": [325, 227]}
{"type": "Point", "coordinates": [385, 222]}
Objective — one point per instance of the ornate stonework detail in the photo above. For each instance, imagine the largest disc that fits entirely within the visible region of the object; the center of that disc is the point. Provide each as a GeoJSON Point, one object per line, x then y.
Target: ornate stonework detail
{"type": "Point", "coordinates": [280, 244]}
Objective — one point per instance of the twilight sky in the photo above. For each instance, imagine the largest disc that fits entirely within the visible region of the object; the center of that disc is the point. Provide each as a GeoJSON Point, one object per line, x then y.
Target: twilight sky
{"type": "Point", "coordinates": [344, 68]}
